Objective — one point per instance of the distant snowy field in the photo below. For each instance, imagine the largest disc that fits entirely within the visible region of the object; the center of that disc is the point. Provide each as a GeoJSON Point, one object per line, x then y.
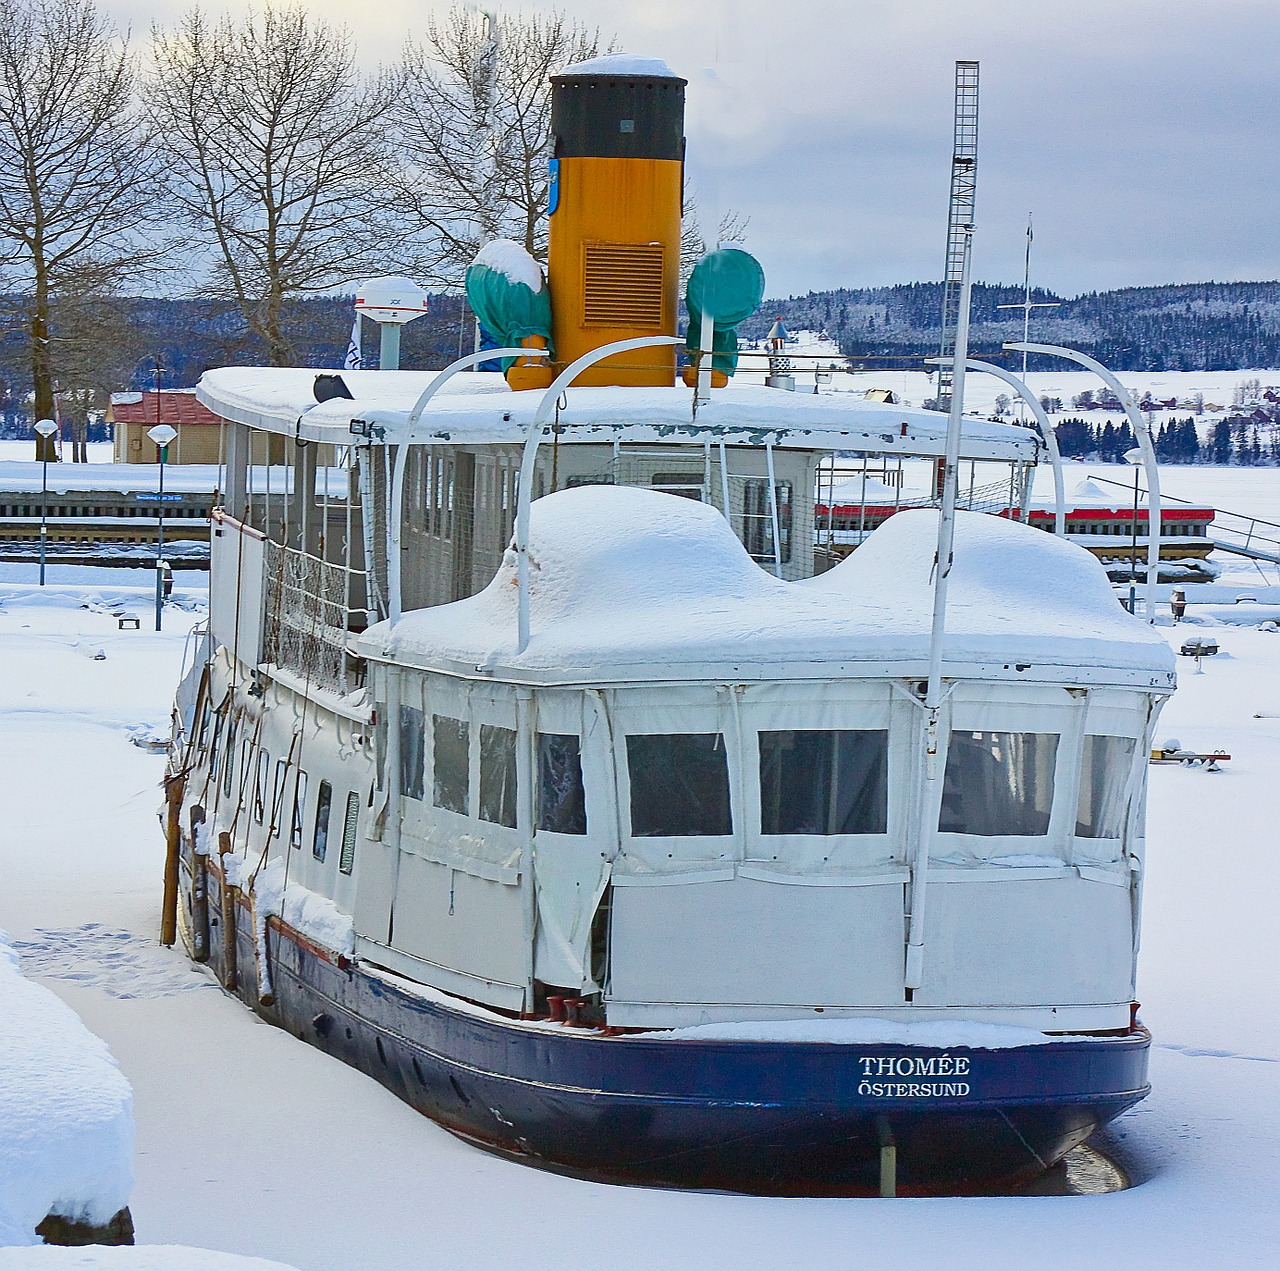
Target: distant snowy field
{"type": "Point", "coordinates": [250, 1142]}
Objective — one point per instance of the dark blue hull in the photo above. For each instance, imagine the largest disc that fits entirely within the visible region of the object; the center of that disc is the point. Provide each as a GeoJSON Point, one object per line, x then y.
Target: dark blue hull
{"type": "Point", "coordinates": [765, 1117]}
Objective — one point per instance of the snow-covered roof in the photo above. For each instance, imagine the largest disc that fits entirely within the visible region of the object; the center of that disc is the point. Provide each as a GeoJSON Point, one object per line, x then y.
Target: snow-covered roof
{"type": "Point", "coordinates": [631, 584]}
{"type": "Point", "coordinates": [619, 64]}
{"type": "Point", "coordinates": [175, 406]}
{"type": "Point", "coordinates": [477, 408]}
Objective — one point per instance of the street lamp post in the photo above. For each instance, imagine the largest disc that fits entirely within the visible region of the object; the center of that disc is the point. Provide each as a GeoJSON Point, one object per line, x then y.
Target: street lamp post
{"type": "Point", "coordinates": [46, 428]}
{"type": "Point", "coordinates": [162, 435]}
{"type": "Point", "coordinates": [1134, 457]}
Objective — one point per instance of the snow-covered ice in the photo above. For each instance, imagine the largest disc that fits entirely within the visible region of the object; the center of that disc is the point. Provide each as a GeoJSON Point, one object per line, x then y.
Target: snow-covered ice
{"type": "Point", "coordinates": [252, 1142]}
{"type": "Point", "coordinates": [130, 1258]}
{"type": "Point", "coordinates": [66, 1120]}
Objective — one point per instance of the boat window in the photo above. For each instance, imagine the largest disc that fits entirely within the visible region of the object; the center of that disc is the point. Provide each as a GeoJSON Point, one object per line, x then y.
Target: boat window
{"type": "Point", "coordinates": [757, 519]}
{"type": "Point", "coordinates": [320, 839]}
{"type": "Point", "coordinates": [349, 822]}
{"type": "Point", "coordinates": [215, 747]}
{"type": "Point", "coordinates": [277, 796]}
{"type": "Point", "coordinates": [998, 783]}
{"type": "Point", "coordinates": [412, 742]}
{"type": "Point", "coordinates": [299, 810]}
{"type": "Point", "coordinates": [562, 804]}
{"type": "Point", "coordinates": [498, 775]}
{"type": "Point", "coordinates": [451, 789]}
{"type": "Point", "coordinates": [679, 785]}
{"type": "Point", "coordinates": [685, 485]}
{"type": "Point", "coordinates": [824, 782]}
{"type": "Point", "coordinates": [1104, 781]}
{"type": "Point", "coordinates": [229, 759]}
{"type": "Point", "coordinates": [260, 777]}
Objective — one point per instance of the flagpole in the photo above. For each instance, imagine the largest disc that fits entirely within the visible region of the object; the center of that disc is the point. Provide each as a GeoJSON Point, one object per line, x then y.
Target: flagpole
{"type": "Point", "coordinates": [1026, 306]}
{"type": "Point", "coordinates": [354, 359]}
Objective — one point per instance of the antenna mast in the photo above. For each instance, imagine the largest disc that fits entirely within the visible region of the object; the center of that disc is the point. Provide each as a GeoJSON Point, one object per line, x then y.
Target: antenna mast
{"type": "Point", "coordinates": [964, 181]}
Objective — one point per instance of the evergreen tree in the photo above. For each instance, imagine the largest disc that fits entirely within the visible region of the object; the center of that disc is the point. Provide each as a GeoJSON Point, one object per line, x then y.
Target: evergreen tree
{"type": "Point", "coordinates": [1220, 443]}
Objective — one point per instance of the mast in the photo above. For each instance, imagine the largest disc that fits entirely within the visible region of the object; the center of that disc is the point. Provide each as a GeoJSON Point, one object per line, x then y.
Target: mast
{"type": "Point", "coordinates": [964, 181]}
{"type": "Point", "coordinates": [1026, 306]}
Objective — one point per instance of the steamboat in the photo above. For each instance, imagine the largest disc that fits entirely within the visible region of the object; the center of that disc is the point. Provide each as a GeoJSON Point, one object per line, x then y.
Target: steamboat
{"type": "Point", "coordinates": [539, 776]}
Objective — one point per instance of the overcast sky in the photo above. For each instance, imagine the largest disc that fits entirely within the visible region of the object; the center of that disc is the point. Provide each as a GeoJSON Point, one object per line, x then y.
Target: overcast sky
{"type": "Point", "coordinates": [1142, 134]}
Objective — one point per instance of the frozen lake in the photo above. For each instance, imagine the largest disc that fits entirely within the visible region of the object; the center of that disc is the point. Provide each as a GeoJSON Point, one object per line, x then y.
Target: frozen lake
{"type": "Point", "coordinates": [251, 1142]}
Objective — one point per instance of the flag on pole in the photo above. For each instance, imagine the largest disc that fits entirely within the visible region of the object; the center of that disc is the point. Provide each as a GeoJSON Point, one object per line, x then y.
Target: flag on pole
{"type": "Point", "coordinates": [353, 360]}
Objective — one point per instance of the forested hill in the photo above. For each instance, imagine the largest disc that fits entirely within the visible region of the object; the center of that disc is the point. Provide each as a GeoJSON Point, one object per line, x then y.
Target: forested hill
{"type": "Point", "coordinates": [1193, 326]}
{"type": "Point", "coordinates": [1207, 326]}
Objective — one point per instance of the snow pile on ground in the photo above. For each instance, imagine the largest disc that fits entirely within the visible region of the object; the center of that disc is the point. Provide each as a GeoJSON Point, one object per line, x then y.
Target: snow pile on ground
{"type": "Point", "coordinates": [130, 1258]}
{"type": "Point", "coordinates": [316, 916]}
{"type": "Point", "coordinates": [66, 1113]}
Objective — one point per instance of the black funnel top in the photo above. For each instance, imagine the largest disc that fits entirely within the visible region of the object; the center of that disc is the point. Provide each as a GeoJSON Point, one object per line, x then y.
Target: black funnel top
{"type": "Point", "coordinates": [599, 109]}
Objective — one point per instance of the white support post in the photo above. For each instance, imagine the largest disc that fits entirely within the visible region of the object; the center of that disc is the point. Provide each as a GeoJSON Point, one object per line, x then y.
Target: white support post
{"type": "Point", "coordinates": [396, 512]}
{"type": "Point", "coordinates": [1142, 434]}
{"type": "Point", "coordinates": [524, 493]}
{"type": "Point", "coordinates": [928, 827]}
{"type": "Point", "coordinates": [706, 340]}
{"type": "Point", "coordinates": [773, 510]}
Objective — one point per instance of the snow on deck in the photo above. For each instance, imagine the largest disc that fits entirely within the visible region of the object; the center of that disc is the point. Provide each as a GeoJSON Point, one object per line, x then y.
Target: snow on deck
{"type": "Point", "coordinates": [629, 582]}
{"type": "Point", "coordinates": [66, 1113]}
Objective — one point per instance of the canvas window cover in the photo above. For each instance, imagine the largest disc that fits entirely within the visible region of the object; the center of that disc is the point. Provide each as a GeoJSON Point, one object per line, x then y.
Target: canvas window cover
{"type": "Point", "coordinates": [561, 797]}
{"type": "Point", "coordinates": [451, 770]}
{"type": "Point", "coordinates": [679, 785]}
{"type": "Point", "coordinates": [998, 784]}
{"type": "Point", "coordinates": [498, 775]}
{"type": "Point", "coordinates": [1106, 764]}
{"type": "Point", "coordinates": [412, 745]}
{"type": "Point", "coordinates": [824, 781]}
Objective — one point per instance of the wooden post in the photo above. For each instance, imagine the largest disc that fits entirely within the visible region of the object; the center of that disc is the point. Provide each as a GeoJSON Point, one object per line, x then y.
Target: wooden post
{"type": "Point", "coordinates": [230, 900]}
{"type": "Point", "coordinates": [173, 787]}
{"type": "Point", "coordinates": [888, 1161]}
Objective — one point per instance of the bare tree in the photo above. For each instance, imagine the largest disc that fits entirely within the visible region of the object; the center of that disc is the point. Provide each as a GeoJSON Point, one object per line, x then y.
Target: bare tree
{"type": "Point", "coordinates": [693, 244]}
{"type": "Point", "coordinates": [77, 182]}
{"type": "Point", "coordinates": [475, 129]}
{"type": "Point", "coordinates": [277, 157]}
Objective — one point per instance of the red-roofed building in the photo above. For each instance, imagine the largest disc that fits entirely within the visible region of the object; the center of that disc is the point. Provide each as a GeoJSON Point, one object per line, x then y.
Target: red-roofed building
{"type": "Point", "coordinates": [131, 414]}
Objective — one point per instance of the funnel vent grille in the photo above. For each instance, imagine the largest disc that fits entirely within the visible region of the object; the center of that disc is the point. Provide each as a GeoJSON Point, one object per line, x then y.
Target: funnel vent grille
{"type": "Point", "coordinates": [622, 285]}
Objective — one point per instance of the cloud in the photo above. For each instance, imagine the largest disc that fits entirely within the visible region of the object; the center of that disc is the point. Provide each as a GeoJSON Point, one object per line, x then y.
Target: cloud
{"type": "Point", "coordinates": [1138, 131]}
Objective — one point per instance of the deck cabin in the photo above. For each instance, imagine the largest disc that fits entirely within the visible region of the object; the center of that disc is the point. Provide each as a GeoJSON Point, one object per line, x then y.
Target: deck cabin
{"type": "Point", "coordinates": [700, 736]}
